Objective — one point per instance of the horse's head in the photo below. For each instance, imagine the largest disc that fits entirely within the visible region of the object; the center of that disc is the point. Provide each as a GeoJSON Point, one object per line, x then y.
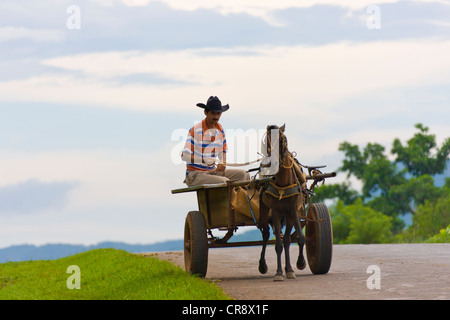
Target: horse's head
{"type": "Point", "coordinates": [274, 148]}
{"type": "Point", "coordinates": [275, 138]}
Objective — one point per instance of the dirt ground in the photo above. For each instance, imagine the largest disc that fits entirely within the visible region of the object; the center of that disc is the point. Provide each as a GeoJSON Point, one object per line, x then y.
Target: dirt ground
{"type": "Point", "coordinates": [406, 271]}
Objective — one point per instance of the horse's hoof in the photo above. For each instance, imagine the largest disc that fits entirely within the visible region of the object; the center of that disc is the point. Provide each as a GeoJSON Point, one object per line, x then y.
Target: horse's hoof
{"type": "Point", "coordinates": [290, 275]}
{"type": "Point", "coordinates": [301, 264]}
{"type": "Point", "coordinates": [278, 277]}
{"type": "Point", "coordinates": [262, 268]}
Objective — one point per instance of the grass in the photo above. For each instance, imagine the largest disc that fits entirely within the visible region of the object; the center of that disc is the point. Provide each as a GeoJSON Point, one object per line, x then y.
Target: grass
{"type": "Point", "coordinates": [104, 274]}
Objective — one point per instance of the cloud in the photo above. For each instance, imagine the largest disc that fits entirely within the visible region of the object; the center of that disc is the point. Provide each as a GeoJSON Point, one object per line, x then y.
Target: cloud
{"type": "Point", "coordinates": [118, 195]}
{"type": "Point", "coordinates": [317, 78]}
{"type": "Point", "coordinates": [33, 196]}
{"type": "Point", "coordinates": [41, 127]}
{"type": "Point", "coordinates": [105, 177]}
{"type": "Point", "coordinates": [267, 10]}
{"type": "Point", "coordinates": [165, 25]}
{"type": "Point", "coordinates": [14, 33]}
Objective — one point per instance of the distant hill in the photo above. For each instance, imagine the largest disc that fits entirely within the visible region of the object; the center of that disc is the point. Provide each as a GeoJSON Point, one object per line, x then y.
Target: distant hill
{"type": "Point", "coordinates": [55, 251]}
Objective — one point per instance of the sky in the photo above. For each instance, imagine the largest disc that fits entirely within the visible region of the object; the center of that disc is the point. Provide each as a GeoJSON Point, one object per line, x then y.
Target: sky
{"type": "Point", "coordinates": [96, 97]}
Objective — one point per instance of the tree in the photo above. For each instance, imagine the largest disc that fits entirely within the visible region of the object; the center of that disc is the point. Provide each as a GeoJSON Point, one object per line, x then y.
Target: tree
{"type": "Point", "coordinates": [378, 176]}
{"type": "Point", "coordinates": [377, 173]}
{"type": "Point", "coordinates": [340, 191]}
{"type": "Point", "coordinates": [415, 192]}
{"type": "Point", "coordinates": [393, 188]}
{"type": "Point", "coordinates": [420, 155]}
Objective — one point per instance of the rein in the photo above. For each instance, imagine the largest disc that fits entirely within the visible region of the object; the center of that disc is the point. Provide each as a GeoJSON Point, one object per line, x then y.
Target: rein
{"type": "Point", "coordinates": [242, 164]}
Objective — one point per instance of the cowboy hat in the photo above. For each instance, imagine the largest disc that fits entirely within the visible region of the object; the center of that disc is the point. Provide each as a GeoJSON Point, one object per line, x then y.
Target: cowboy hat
{"type": "Point", "coordinates": [213, 104]}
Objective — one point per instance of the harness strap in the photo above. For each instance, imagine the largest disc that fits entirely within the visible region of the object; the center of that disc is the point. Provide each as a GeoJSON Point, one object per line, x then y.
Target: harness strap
{"type": "Point", "coordinates": [283, 192]}
{"type": "Point", "coordinates": [251, 210]}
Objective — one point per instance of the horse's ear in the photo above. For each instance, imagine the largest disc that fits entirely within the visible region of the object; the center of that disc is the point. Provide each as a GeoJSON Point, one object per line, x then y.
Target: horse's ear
{"type": "Point", "coordinates": [283, 127]}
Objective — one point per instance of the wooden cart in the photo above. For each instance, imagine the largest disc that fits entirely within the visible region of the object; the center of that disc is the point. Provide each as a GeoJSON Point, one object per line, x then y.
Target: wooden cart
{"type": "Point", "coordinates": [216, 211]}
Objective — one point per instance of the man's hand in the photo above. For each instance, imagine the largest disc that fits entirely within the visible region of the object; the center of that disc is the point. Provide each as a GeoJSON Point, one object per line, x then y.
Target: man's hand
{"type": "Point", "coordinates": [209, 161]}
{"type": "Point", "coordinates": [221, 167]}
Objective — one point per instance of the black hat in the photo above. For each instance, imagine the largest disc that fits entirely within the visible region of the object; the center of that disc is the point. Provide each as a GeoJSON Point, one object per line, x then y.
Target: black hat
{"type": "Point", "coordinates": [213, 104]}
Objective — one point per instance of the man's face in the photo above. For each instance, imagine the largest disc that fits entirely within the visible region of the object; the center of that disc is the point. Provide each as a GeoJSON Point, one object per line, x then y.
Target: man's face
{"type": "Point", "coordinates": [213, 117]}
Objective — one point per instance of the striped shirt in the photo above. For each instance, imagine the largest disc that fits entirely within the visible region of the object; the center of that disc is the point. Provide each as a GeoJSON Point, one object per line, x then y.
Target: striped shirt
{"type": "Point", "coordinates": [204, 143]}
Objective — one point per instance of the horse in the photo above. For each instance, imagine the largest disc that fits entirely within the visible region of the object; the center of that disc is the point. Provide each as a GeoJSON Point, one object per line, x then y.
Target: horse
{"type": "Point", "coordinates": [280, 201]}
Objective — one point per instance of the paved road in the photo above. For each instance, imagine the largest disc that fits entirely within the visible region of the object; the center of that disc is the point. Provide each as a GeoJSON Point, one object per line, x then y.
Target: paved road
{"type": "Point", "coordinates": [407, 271]}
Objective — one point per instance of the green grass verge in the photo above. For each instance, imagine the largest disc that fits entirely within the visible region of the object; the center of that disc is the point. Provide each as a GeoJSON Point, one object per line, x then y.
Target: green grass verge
{"type": "Point", "coordinates": [104, 274]}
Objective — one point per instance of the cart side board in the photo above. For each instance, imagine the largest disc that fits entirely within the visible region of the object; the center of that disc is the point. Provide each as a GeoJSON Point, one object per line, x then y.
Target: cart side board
{"type": "Point", "coordinates": [214, 203]}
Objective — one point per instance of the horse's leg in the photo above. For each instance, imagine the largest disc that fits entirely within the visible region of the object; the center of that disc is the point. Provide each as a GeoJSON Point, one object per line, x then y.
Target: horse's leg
{"type": "Point", "coordinates": [301, 263]}
{"type": "Point", "coordinates": [287, 242]}
{"type": "Point", "coordinates": [278, 245]}
{"type": "Point", "coordinates": [264, 221]}
{"type": "Point", "coordinates": [262, 261]}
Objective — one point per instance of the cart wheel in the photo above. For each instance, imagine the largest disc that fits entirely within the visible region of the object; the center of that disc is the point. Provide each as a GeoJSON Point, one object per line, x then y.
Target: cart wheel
{"type": "Point", "coordinates": [195, 244]}
{"type": "Point", "coordinates": [319, 235]}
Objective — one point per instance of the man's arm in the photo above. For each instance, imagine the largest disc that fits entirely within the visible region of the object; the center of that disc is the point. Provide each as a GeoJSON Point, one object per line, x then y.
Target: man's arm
{"type": "Point", "coordinates": [192, 158]}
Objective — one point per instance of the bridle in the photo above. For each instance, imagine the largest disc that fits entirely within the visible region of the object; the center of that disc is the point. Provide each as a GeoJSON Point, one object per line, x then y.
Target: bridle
{"type": "Point", "coordinates": [285, 191]}
{"type": "Point", "coordinates": [283, 148]}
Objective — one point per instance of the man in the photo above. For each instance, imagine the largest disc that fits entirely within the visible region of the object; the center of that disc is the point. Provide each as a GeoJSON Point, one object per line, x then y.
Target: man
{"type": "Point", "coordinates": [206, 149]}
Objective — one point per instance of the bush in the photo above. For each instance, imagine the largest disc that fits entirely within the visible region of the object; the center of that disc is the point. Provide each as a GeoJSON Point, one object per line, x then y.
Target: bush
{"type": "Point", "coordinates": [442, 237]}
{"type": "Point", "coordinates": [357, 223]}
{"type": "Point", "coordinates": [431, 217]}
